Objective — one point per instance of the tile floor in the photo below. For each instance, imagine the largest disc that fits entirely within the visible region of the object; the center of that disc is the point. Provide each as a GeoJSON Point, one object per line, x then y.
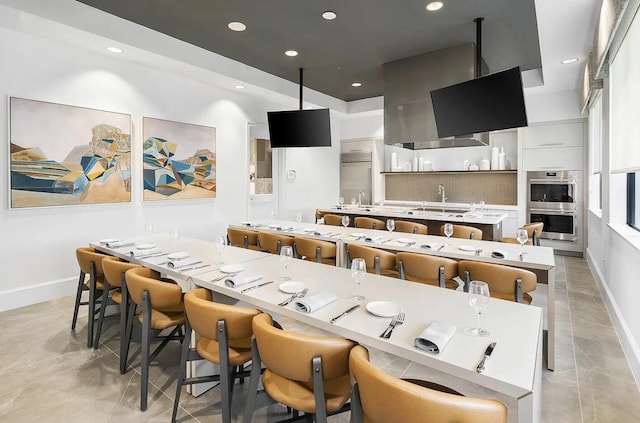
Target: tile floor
{"type": "Point", "coordinates": [48, 375]}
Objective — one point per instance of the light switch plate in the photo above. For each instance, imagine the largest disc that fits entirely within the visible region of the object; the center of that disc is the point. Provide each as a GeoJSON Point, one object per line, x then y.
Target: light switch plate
{"type": "Point", "coordinates": [291, 175]}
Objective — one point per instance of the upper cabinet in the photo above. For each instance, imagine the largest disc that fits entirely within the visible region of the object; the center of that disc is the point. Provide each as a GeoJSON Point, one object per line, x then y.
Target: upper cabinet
{"type": "Point", "coordinates": [555, 145]}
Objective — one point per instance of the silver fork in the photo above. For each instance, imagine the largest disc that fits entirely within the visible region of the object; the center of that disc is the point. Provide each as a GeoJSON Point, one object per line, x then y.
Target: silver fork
{"type": "Point", "coordinates": [394, 320]}
{"type": "Point", "coordinates": [294, 296]}
{"type": "Point", "coordinates": [399, 321]}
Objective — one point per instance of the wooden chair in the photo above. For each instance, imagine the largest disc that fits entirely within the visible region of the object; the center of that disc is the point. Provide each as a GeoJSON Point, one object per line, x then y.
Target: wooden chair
{"type": "Point", "coordinates": [431, 270]}
{"type": "Point", "coordinates": [242, 238]}
{"type": "Point", "coordinates": [90, 263]}
{"type": "Point", "coordinates": [534, 230]}
{"type": "Point", "coordinates": [380, 262]}
{"type": "Point", "coordinates": [411, 227]}
{"type": "Point", "coordinates": [463, 231]}
{"type": "Point", "coordinates": [368, 223]}
{"type": "Point", "coordinates": [315, 250]}
{"type": "Point", "coordinates": [507, 283]}
{"type": "Point", "coordinates": [308, 374]}
{"type": "Point", "coordinates": [271, 243]}
{"type": "Point", "coordinates": [114, 275]}
{"type": "Point", "coordinates": [380, 398]}
{"type": "Point", "coordinates": [162, 308]}
{"type": "Point", "coordinates": [224, 338]}
{"type": "Point", "coordinates": [332, 219]}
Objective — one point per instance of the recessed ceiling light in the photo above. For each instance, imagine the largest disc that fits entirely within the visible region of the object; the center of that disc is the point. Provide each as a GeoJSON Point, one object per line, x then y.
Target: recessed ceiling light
{"type": "Point", "coordinates": [237, 26]}
{"type": "Point", "coordinates": [329, 15]}
{"type": "Point", "coordinates": [240, 87]}
{"type": "Point", "coordinates": [357, 84]}
{"type": "Point", "coordinates": [434, 5]}
{"type": "Point", "coordinates": [571, 60]}
{"type": "Point", "coordinates": [114, 50]}
{"type": "Point", "coordinates": [291, 53]}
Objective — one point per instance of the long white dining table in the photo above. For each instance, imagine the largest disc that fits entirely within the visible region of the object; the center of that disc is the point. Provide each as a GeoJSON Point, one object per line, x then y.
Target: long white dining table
{"type": "Point", "coordinates": [513, 371]}
{"type": "Point", "coordinates": [538, 259]}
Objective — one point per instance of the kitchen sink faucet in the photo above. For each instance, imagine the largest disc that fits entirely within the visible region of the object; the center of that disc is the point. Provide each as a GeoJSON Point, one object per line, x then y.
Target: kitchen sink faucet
{"type": "Point", "coordinates": [441, 192]}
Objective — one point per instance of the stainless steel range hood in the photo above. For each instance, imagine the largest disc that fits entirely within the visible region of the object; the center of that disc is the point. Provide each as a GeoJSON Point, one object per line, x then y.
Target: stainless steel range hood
{"type": "Point", "coordinates": [408, 113]}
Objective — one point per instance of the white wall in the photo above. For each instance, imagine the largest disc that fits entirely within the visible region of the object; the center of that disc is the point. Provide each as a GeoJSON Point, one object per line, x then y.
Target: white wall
{"type": "Point", "coordinates": [37, 260]}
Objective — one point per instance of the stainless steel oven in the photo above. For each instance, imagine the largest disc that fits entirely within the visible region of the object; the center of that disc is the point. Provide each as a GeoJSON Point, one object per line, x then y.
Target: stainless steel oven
{"type": "Point", "coordinates": [553, 198]}
{"type": "Point", "coordinates": [555, 190]}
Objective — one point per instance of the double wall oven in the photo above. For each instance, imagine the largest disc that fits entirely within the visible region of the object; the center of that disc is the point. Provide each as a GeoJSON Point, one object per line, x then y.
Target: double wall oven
{"type": "Point", "coordinates": [552, 198]}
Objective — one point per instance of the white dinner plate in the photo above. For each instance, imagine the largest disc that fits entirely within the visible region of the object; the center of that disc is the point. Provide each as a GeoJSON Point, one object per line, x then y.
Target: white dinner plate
{"type": "Point", "coordinates": [108, 240]}
{"type": "Point", "coordinates": [145, 246]}
{"type": "Point", "coordinates": [291, 287]}
{"type": "Point", "coordinates": [178, 256]}
{"type": "Point", "coordinates": [358, 235]}
{"type": "Point", "coordinates": [404, 240]}
{"type": "Point", "coordinates": [383, 308]}
{"type": "Point", "coordinates": [231, 268]}
{"type": "Point", "coordinates": [309, 229]}
{"type": "Point", "coordinates": [467, 248]}
{"type": "Point", "coordinates": [273, 226]}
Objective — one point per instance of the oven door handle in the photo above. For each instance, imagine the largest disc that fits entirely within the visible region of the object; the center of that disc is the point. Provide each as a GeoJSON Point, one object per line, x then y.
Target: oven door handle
{"type": "Point", "coordinates": [553, 181]}
{"type": "Point", "coordinates": [548, 211]}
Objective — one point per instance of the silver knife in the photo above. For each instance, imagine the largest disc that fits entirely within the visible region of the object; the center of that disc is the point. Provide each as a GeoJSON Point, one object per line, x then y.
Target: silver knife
{"type": "Point", "coordinates": [255, 286]}
{"type": "Point", "coordinates": [487, 354]}
{"type": "Point", "coordinates": [347, 311]}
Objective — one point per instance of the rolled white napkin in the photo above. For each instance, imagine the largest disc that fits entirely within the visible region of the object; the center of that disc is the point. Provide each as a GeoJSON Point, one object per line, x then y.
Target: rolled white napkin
{"type": "Point", "coordinates": [119, 243]}
{"type": "Point", "coordinates": [284, 228]}
{"type": "Point", "coordinates": [435, 337]}
{"type": "Point", "coordinates": [177, 264]}
{"type": "Point", "coordinates": [374, 239]}
{"type": "Point", "coordinates": [429, 245]}
{"type": "Point", "coordinates": [145, 253]}
{"type": "Point", "coordinates": [322, 232]}
{"type": "Point", "coordinates": [236, 281]}
{"type": "Point", "coordinates": [499, 254]}
{"type": "Point", "coordinates": [315, 302]}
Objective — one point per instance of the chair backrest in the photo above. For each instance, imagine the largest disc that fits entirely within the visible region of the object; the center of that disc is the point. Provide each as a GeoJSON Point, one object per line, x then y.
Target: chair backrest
{"type": "Point", "coordinates": [386, 259]}
{"type": "Point", "coordinates": [163, 294]}
{"type": "Point", "coordinates": [332, 219]}
{"type": "Point", "coordinates": [319, 215]}
{"type": "Point", "coordinates": [237, 237]}
{"type": "Point", "coordinates": [114, 269]}
{"type": "Point", "coordinates": [502, 280]}
{"type": "Point", "coordinates": [534, 230]}
{"type": "Point", "coordinates": [289, 354]}
{"type": "Point", "coordinates": [411, 227]}
{"type": "Point", "coordinates": [308, 248]}
{"type": "Point", "coordinates": [383, 398]}
{"type": "Point", "coordinates": [271, 242]}
{"type": "Point", "coordinates": [203, 313]}
{"type": "Point", "coordinates": [463, 231]}
{"type": "Point", "coordinates": [368, 223]}
{"type": "Point", "coordinates": [424, 268]}
{"type": "Point", "coordinates": [86, 256]}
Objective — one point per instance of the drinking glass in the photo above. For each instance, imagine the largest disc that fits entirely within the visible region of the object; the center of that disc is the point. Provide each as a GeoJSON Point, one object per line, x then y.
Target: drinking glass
{"type": "Point", "coordinates": [479, 301]}
{"type": "Point", "coordinates": [353, 201]}
{"type": "Point", "coordinates": [448, 231]}
{"type": "Point", "coordinates": [481, 205]}
{"type": "Point", "coordinates": [522, 236]}
{"type": "Point", "coordinates": [381, 203]}
{"type": "Point", "coordinates": [272, 215]}
{"type": "Point", "coordinates": [391, 225]}
{"type": "Point", "coordinates": [358, 272]}
{"type": "Point", "coordinates": [341, 201]}
{"type": "Point", "coordinates": [299, 217]}
{"type": "Point", "coordinates": [174, 235]}
{"type": "Point", "coordinates": [345, 221]}
{"type": "Point", "coordinates": [286, 255]}
{"type": "Point", "coordinates": [424, 205]}
{"type": "Point", "coordinates": [221, 242]}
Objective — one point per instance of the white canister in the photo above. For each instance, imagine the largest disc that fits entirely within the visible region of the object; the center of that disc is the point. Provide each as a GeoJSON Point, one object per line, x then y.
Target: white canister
{"type": "Point", "coordinates": [465, 164]}
{"type": "Point", "coordinates": [427, 166]}
{"type": "Point", "coordinates": [407, 166]}
{"type": "Point", "coordinates": [414, 167]}
{"type": "Point", "coordinates": [495, 158]}
{"type": "Point", "coordinates": [420, 163]}
{"type": "Point", "coordinates": [394, 161]}
{"type": "Point", "coordinates": [484, 164]}
{"type": "Point", "coordinates": [502, 160]}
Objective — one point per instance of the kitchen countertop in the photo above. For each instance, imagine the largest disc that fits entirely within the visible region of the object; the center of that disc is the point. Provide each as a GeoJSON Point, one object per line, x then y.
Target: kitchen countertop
{"type": "Point", "coordinates": [449, 212]}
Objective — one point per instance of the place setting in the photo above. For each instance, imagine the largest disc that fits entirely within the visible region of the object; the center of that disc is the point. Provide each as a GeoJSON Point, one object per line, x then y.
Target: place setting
{"type": "Point", "coordinates": [182, 262]}
{"type": "Point", "coordinates": [116, 242]}
{"type": "Point", "coordinates": [407, 242]}
{"type": "Point", "coordinates": [228, 271]}
{"type": "Point", "coordinates": [146, 250]}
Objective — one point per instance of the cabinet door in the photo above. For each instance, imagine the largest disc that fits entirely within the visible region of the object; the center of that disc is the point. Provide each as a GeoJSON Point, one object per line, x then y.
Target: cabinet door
{"type": "Point", "coordinates": [567, 158]}
{"type": "Point", "coordinates": [553, 135]}
{"type": "Point", "coordinates": [356, 146]}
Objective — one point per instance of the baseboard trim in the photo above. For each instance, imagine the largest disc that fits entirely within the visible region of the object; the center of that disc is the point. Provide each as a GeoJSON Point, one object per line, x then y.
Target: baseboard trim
{"type": "Point", "coordinates": [629, 346]}
{"type": "Point", "coordinates": [20, 297]}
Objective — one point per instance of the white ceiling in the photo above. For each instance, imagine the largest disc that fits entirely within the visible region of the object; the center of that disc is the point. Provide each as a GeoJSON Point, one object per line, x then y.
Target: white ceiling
{"type": "Point", "coordinates": [565, 29]}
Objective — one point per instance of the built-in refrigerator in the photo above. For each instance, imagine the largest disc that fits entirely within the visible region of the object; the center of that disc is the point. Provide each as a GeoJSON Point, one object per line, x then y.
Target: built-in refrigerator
{"type": "Point", "coordinates": [355, 176]}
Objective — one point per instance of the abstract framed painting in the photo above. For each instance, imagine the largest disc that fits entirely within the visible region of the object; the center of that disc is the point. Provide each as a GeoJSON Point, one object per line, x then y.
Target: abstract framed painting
{"type": "Point", "coordinates": [179, 160]}
{"type": "Point", "coordinates": [62, 155]}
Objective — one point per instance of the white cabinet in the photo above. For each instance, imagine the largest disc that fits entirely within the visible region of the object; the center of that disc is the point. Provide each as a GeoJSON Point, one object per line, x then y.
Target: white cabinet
{"type": "Point", "coordinates": [553, 135]}
{"type": "Point", "coordinates": [567, 158]}
{"type": "Point", "coordinates": [509, 224]}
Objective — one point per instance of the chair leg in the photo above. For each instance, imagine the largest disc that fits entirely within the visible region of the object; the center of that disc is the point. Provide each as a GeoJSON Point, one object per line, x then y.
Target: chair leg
{"type": "Point", "coordinates": [146, 341]}
{"type": "Point", "coordinates": [92, 305]}
{"type": "Point", "coordinates": [125, 349]}
{"type": "Point", "coordinates": [356, 405]}
{"type": "Point", "coordinates": [124, 312]}
{"type": "Point", "coordinates": [182, 370]}
{"type": "Point", "coordinates": [252, 392]}
{"type": "Point", "coordinates": [103, 307]}
{"type": "Point", "coordinates": [78, 299]}
{"type": "Point", "coordinates": [318, 390]}
{"type": "Point", "coordinates": [225, 372]}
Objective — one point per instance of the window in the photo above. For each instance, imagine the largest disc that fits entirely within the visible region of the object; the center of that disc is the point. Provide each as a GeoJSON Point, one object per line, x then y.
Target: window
{"type": "Point", "coordinates": [633, 197]}
{"type": "Point", "coordinates": [260, 167]}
